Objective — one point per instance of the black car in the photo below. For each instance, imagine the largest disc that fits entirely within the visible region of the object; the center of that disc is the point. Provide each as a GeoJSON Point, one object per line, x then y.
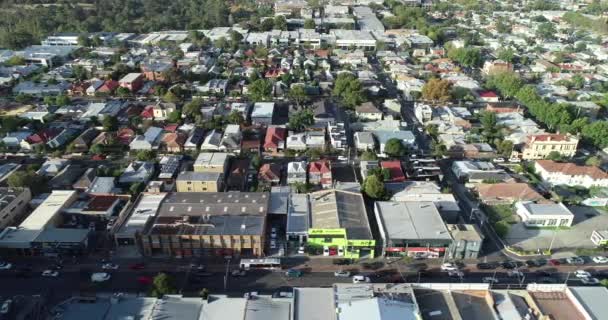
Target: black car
{"type": "Point", "coordinates": [547, 280]}
{"type": "Point", "coordinates": [509, 265]}
{"type": "Point", "coordinates": [486, 266]}
{"type": "Point", "coordinates": [532, 263]}
{"type": "Point", "coordinates": [541, 262]}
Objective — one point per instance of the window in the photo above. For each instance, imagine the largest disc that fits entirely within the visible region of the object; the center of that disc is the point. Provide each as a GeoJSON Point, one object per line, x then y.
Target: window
{"type": "Point", "coordinates": [552, 222]}
{"type": "Point", "coordinates": [564, 222]}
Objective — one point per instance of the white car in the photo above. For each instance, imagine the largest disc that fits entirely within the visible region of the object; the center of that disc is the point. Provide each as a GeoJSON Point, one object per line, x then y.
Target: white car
{"type": "Point", "coordinates": [582, 274]}
{"type": "Point", "coordinates": [273, 233]}
{"type": "Point", "coordinates": [109, 266]}
{"type": "Point", "coordinates": [600, 259]}
{"type": "Point", "coordinates": [6, 306]}
{"type": "Point", "coordinates": [5, 266]}
{"type": "Point", "coordinates": [50, 273]}
{"type": "Point", "coordinates": [515, 160]}
{"type": "Point", "coordinates": [273, 244]}
{"type": "Point", "coordinates": [590, 281]}
{"type": "Point", "coordinates": [301, 250]}
{"type": "Point", "coordinates": [498, 160]}
{"type": "Point", "coordinates": [361, 279]}
{"type": "Point", "coordinates": [449, 267]}
{"type": "Point", "coordinates": [490, 280]}
{"type": "Point", "coordinates": [342, 274]}
{"type": "Point", "coordinates": [100, 277]}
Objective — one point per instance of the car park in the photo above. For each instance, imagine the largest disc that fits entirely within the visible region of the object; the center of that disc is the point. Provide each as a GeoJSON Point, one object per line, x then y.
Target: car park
{"type": "Point", "coordinates": [361, 279]}
{"type": "Point", "coordinates": [109, 266]}
{"type": "Point", "coordinates": [293, 273]}
{"type": "Point", "coordinates": [342, 274]}
{"type": "Point", "coordinates": [50, 273]}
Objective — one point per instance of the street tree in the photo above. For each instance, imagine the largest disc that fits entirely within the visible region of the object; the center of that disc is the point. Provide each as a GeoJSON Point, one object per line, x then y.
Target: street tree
{"type": "Point", "coordinates": [394, 148]}
{"type": "Point", "coordinates": [438, 90]}
{"type": "Point", "coordinates": [260, 90]}
{"type": "Point", "coordinates": [301, 119]}
{"type": "Point", "coordinates": [374, 187]}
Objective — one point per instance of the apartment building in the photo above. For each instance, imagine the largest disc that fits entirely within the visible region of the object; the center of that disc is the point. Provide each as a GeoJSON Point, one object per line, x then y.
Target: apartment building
{"type": "Point", "coordinates": [191, 181]}
{"type": "Point", "coordinates": [539, 146]}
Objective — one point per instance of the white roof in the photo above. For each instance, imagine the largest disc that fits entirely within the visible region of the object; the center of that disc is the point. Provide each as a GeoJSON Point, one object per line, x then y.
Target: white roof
{"type": "Point", "coordinates": [47, 210]}
{"type": "Point", "coordinates": [146, 208]}
{"type": "Point", "coordinates": [262, 109]}
{"type": "Point", "coordinates": [130, 77]}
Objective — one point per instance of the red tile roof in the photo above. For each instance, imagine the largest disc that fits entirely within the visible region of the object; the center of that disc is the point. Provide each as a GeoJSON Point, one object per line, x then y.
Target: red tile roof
{"type": "Point", "coordinates": [101, 203]}
{"type": "Point", "coordinates": [549, 137]}
{"type": "Point", "coordinates": [508, 191]}
{"type": "Point", "coordinates": [274, 137]}
{"type": "Point", "coordinates": [321, 166]}
{"type": "Point", "coordinates": [394, 168]}
{"type": "Point", "coordinates": [572, 169]}
{"type": "Point", "coordinates": [488, 94]}
{"type": "Point", "coordinates": [270, 172]}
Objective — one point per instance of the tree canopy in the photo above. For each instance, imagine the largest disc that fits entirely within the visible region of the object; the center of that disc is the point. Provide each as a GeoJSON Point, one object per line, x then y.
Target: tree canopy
{"type": "Point", "coordinates": [260, 90]}
{"type": "Point", "coordinates": [350, 91]}
{"type": "Point", "coordinates": [374, 187]}
{"type": "Point", "coordinates": [395, 148]}
{"type": "Point", "coordinates": [437, 90]}
{"type": "Point", "coordinates": [301, 119]}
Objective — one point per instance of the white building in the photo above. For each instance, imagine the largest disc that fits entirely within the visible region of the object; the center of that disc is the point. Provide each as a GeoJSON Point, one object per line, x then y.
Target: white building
{"type": "Point", "coordinates": [570, 174]}
{"type": "Point", "coordinates": [544, 214]}
{"type": "Point", "coordinates": [296, 172]}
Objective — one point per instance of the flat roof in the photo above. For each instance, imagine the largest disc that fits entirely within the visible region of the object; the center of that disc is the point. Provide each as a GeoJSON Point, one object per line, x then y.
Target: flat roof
{"type": "Point", "coordinates": [435, 305]}
{"type": "Point", "coordinates": [146, 207]}
{"type": "Point", "coordinates": [48, 209]}
{"type": "Point", "coordinates": [178, 204]}
{"type": "Point", "coordinates": [313, 304]}
{"type": "Point", "coordinates": [267, 308]}
{"type": "Point", "coordinates": [278, 199]}
{"type": "Point", "coordinates": [473, 305]}
{"type": "Point", "coordinates": [262, 110]}
{"type": "Point", "coordinates": [298, 214]}
{"type": "Point", "coordinates": [332, 209]}
{"type": "Point", "coordinates": [62, 235]}
{"type": "Point", "coordinates": [557, 305]}
{"type": "Point", "coordinates": [211, 159]}
{"type": "Point", "coordinates": [199, 176]}
{"type": "Point", "coordinates": [547, 209]}
{"type": "Point", "coordinates": [375, 302]}
{"type": "Point", "coordinates": [593, 300]}
{"type": "Point", "coordinates": [223, 308]}
{"type": "Point", "coordinates": [411, 220]}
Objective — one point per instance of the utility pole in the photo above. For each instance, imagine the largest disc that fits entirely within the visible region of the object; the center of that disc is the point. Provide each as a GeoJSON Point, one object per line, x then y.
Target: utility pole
{"type": "Point", "coordinates": [226, 275]}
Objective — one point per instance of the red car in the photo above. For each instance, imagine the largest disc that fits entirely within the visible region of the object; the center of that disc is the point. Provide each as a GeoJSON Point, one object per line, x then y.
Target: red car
{"type": "Point", "coordinates": [144, 280]}
{"type": "Point", "coordinates": [137, 266]}
{"type": "Point", "coordinates": [554, 262]}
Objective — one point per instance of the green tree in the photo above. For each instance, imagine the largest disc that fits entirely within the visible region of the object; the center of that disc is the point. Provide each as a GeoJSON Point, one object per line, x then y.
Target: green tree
{"type": "Point", "coordinates": [280, 23]}
{"type": "Point", "coordinates": [437, 90]}
{"type": "Point", "coordinates": [267, 24]}
{"type": "Point", "coordinates": [162, 284]}
{"type": "Point", "coordinates": [555, 156]}
{"type": "Point", "coordinates": [505, 148]}
{"type": "Point", "coordinates": [236, 117]}
{"type": "Point", "coordinates": [368, 155]}
{"type": "Point", "coordinates": [123, 92]}
{"type": "Point", "coordinates": [260, 90]}
{"type": "Point", "coordinates": [174, 116]}
{"type": "Point", "coordinates": [204, 294]}
{"type": "Point", "coordinates": [467, 57]}
{"type": "Point", "coordinates": [374, 188]}
{"type": "Point", "coordinates": [26, 179]}
{"type": "Point", "coordinates": [301, 119]}
{"type": "Point", "coordinates": [145, 155]}
{"type": "Point", "coordinates": [15, 61]}
{"type": "Point", "coordinates": [546, 30]}
{"type": "Point", "coordinates": [593, 161]}
{"type": "Point", "coordinates": [394, 148]}
{"type": "Point", "coordinates": [507, 55]}
{"type": "Point", "coordinates": [84, 40]}
{"type": "Point", "coordinates": [501, 228]}
{"type": "Point", "coordinates": [297, 93]}
{"type": "Point", "coordinates": [309, 24]}
{"type": "Point", "coordinates": [62, 100]}
{"type": "Point", "coordinates": [109, 123]}
{"type": "Point", "coordinates": [256, 161]}
{"type": "Point", "coordinates": [23, 98]}
{"type": "Point", "coordinates": [349, 89]}
{"type": "Point", "coordinates": [171, 97]}
{"type": "Point", "coordinates": [96, 149]}
{"type": "Point", "coordinates": [192, 108]}
{"type": "Point", "coordinates": [136, 188]}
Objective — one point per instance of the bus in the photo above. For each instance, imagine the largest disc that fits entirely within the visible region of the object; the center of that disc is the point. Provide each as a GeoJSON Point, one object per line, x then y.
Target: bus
{"type": "Point", "coordinates": [268, 263]}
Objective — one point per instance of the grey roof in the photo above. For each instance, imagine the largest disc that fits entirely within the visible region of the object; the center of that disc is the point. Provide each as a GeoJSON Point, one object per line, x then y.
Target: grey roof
{"type": "Point", "coordinates": [199, 176]}
{"type": "Point", "coordinates": [385, 135]}
{"type": "Point", "coordinates": [547, 209]}
{"type": "Point", "coordinates": [263, 308]}
{"type": "Point", "coordinates": [468, 232]}
{"type": "Point", "coordinates": [278, 199]}
{"type": "Point", "coordinates": [179, 204]}
{"type": "Point", "coordinates": [593, 300]}
{"type": "Point", "coordinates": [313, 304]}
{"type": "Point", "coordinates": [411, 220]}
{"type": "Point", "coordinates": [62, 235]}
{"type": "Point", "coordinates": [102, 185]}
{"type": "Point", "coordinates": [298, 214]}
{"type": "Point", "coordinates": [67, 176]}
{"type": "Point", "coordinates": [262, 110]}
{"type": "Point", "coordinates": [340, 209]}
{"type": "Point", "coordinates": [8, 195]}
{"type": "Point", "coordinates": [153, 134]}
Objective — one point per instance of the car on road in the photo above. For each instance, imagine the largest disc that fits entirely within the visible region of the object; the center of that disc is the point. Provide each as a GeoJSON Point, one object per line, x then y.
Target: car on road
{"type": "Point", "coordinates": [273, 244]}
{"type": "Point", "coordinates": [490, 280]}
{"type": "Point", "coordinates": [6, 306]}
{"type": "Point", "coordinates": [515, 160]}
{"type": "Point", "coordinates": [590, 281]}
{"type": "Point", "coordinates": [273, 233]}
{"type": "Point", "coordinates": [342, 274]}
{"type": "Point", "coordinates": [137, 266]}
{"type": "Point", "coordinates": [50, 273]}
{"type": "Point", "coordinates": [600, 259]}
{"type": "Point", "coordinates": [238, 273]}
{"type": "Point", "coordinates": [301, 250]}
{"type": "Point", "coordinates": [5, 266]}
{"type": "Point", "coordinates": [486, 266]}
{"type": "Point", "coordinates": [361, 279]}
{"type": "Point", "coordinates": [198, 267]}
{"type": "Point", "coordinates": [449, 267]}
{"type": "Point", "coordinates": [582, 274]}
{"type": "Point", "coordinates": [455, 274]}
{"type": "Point", "coordinates": [293, 273]}
{"type": "Point", "coordinates": [509, 265]}
{"type": "Point", "coordinates": [100, 277]}
{"type": "Point", "coordinates": [575, 260]}
{"type": "Point", "coordinates": [109, 266]}
{"type": "Point", "coordinates": [498, 160]}
{"type": "Point", "coordinates": [516, 273]}
{"type": "Point", "coordinates": [554, 262]}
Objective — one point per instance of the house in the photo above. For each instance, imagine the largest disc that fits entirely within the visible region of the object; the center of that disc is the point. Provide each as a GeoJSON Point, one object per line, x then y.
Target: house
{"type": "Point", "coordinates": [364, 141]}
{"type": "Point", "coordinates": [368, 111]}
{"type": "Point", "coordinates": [270, 174]}
{"type": "Point", "coordinates": [125, 136]}
{"type": "Point", "coordinates": [275, 139]}
{"type": "Point", "coordinates": [169, 166]}
{"type": "Point", "coordinates": [211, 162]}
{"type": "Point", "coordinates": [137, 171]}
{"type": "Point", "coordinates": [496, 66]}
{"type": "Point", "coordinates": [190, 181]}
{"type": "Point", "coordinates": [148, 141]}
{"type": "Point", "coordinates": [251, 142]}
{"type": "Point", "coordinates": [173, 142]}
{"type": "Point", "coordinates": [51, 167]}
{"type": "Point", "coordinates": [237, 174]}
{"type": "Point", "coordinates": [296, 141]}
{"type": "Point", "coordinates": [161, 110]}
{"type": "Point", "coordinates": [337, 135]}
{"type": "Point", "coordinates": [478, 171]}
{"type": "Point", "coordinates": [13, 205]}
{"type": "Point", "coordinates": [195, 139]}
{"type": "Point", "coordinates": [488, 96]}
{"type": "Point", "coordinates": [544, 214]}
{"type": "Point", "coordinates": [83, 142]}
{"type": "Point", "coordinates": [319, 172]}
{"type": "Point", "coordinates": [108, 87]}
{"type": "Point", "coordinates": [507, 193]}
{"type": "Point", "coordinates": [86, 180]}
{"type": "Point", "coordinates": [394, 169]}
{"type": "Point", "coordinates": [13, 140]}
{"type": "Point", "coordinates": [156, 69]}
{"type": "Point", "coordinates": [231, 140]}
{"type": "Point", "coordinates": [103, 186]}
{"type": "Point", "coordinates": [407, 138]}
{"type": "Point", "coordinates": [570, 174]}
{"type": "Point", "coordinates": [212, 141]}
{"type": "Point", "coordinates": [315, 139]}
{"type": "Point", "coordinates": [63, 138]}
{"type": "Point", "coordinates": [324, 111]}
{"type": "Point", "coordinates": [296, 172]}
{"type": "Point", "coordinates": [132, 81]}
{"type": "Point", "coordinates": [539, 146]}
{"type": "Point", "coordinates": [262, 113]}
{"type": "Point", "coordinates": [214, 86]}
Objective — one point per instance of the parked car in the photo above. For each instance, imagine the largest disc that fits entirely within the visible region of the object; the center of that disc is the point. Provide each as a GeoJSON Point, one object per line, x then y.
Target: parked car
{"type": "Point", "coordinates": [575, 260]}
{"type": "Point", "coordinates": [100, 277]}
{"type": "Point", "coordinates": [50, 273]}
{"type": "Point", "coordinates": [342, 274]}
{"type": "Point", "coordinates": [301, 250]}
{"type": "Point", "coordinates": [515, 160]}
{"type": "Point", "coordinates": [486, 266]}
{"type": "Point", "coordinates": [137, 266]}
{"type": "Point", "coordinates": [293, 273]}
{"type": "Point", "coordinates": [498, 160]}
{"type": "Point", "coordinates": [6, 306]}
{"type": "Point", "coordinates": [109, 266]}
{"type": "Point", "coordinates": [509, 265]}
{"type": "Point", "coordinates": [273, 233]}
{"type": "Point", "coordinates": [590, 281]}
{"type": "Point", "coordinates": [582, 274]}
{"type": "Point", "coordinates": [600, 259]}
{"type": "Point", "coordinates": [238, 273]}
{"type": "Point", "coordinates": [554, 262]}
{"type": "Point", "coordinates": [198, 267]}
{"type": "Point", "coordinates": [5, 266]}
{"type": "Point", "coordinates": [360, 279]}
{"type": "Point", "coordinates": [449, 267]}
{"type": "Point", "coordinates": [490, 280]}
{"type": "Point", "coordinates": [516, 273]}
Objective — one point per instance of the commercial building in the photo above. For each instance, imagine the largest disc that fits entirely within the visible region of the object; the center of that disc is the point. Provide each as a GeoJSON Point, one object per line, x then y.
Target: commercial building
{"type": "Point", "coordinates": [467, 241]}
{"type": "Point", "coordinates": [203, 224]}
{"type": "Point", "coordinates": [130, 227]}
{"type": "Point", "coordinates": [570, 174]}
{"type": "Point", "coordinates": [339, 225]}
{"type": "Point", "coordinates": [600, 238]}
{"type": "Point", "coordinates": [298, 217]}
{"type": "Point", "coordinates": [375, 301]}
{"type": "Point", "coordinates": [211, 162]}
{"type": "Point", "coordinates": [539, 146]}
{"type": "Point", "coordinates": [191, 181]}
{"type": "Point", "coordinates": [412, 228]}
{"type": "Point", "coordinates": [13, 203]}
{"type": "Point", "coordinates": [544, 214]}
